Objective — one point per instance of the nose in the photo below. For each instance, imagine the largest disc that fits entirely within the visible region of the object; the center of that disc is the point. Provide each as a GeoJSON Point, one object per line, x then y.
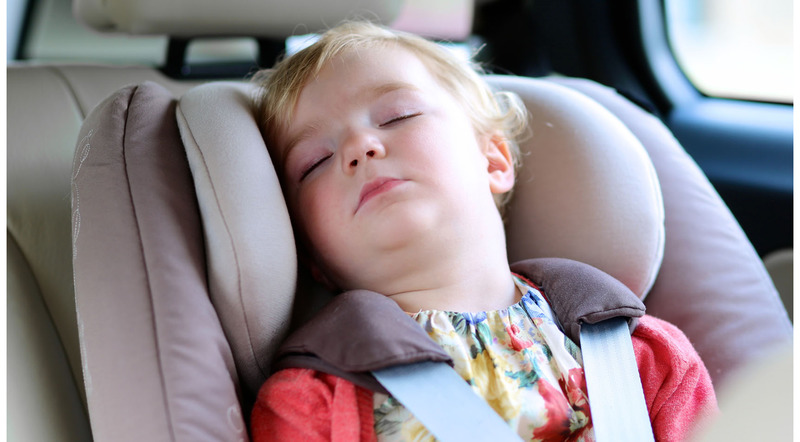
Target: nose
{"type": "Point", "coordinates": [358, 147]}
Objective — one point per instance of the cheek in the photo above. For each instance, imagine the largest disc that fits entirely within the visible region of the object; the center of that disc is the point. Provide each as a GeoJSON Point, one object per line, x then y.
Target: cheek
{"type": "Point", "coordinates": [315, 210]}
{"type": "Point", "coordinates": [429, 143]}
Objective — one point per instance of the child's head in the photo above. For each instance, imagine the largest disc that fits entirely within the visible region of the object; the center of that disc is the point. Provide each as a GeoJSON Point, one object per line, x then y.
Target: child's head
{"type": "Point", "coordinates": [489, 111]}
{"type": "Point", "coordinates": [391, 151]}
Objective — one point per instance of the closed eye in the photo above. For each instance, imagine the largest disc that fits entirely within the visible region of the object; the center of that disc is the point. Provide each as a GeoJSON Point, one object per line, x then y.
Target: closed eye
{"type": "Point", "coordinates": [400, 118]}
{"type": "Point", "coordinates": [314, 165]}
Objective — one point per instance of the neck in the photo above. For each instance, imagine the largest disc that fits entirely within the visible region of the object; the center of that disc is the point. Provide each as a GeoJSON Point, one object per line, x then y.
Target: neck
{"type": "Point", "coordinates": [480, 290]}
{"type": "Point", "coordinates": [462, 276]}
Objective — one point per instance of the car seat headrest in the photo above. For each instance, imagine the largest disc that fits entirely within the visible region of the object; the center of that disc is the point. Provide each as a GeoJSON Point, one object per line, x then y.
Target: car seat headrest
{"type": "Point", "coordinates": [187, 18]}
{"type": "Point", "coordinates": [269, 18]}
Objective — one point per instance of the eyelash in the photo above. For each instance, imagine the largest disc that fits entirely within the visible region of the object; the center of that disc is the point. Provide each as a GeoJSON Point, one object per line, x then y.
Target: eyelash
{"type": "Point", "coordinates": [400, 118]}
{"type": "Point", "coordinates": [313, 166]}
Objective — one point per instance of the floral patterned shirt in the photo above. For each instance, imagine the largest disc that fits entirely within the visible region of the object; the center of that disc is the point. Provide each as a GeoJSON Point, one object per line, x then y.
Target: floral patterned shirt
{"type": "Point", "coordinates": [517, 359]}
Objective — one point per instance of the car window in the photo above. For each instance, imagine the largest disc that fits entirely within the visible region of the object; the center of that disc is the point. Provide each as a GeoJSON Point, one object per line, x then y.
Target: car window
{"type": "Point", "coordinates": [734, 48]}
{"type": "Point", "coordinates": [15, 16]}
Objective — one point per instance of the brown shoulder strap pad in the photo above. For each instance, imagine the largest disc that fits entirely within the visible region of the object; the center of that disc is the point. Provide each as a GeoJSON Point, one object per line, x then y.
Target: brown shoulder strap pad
{"type": "Point", "coordinates": [581, 293]}
{"type": "Point", "coordinates": [358, 332]}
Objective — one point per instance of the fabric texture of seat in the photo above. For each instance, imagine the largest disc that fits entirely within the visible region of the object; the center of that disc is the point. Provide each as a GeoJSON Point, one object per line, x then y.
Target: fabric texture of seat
{"type": "Point", "coordinates": [187, 18]}
{"type": "Point", "coordinates": [156, 362]}
{"type": "Point", "coordinates": [736, 315]}
{"type": "Point", "coordinates": [46, 105]}
{"type": "Point", "coordinates": [252, 262]}
{"type": "Point", "coordinates": [587, 190]}
{"type": "Point", "coordinates": [41, 387]}
{"type": "Point", "coordinates": [451, 20]}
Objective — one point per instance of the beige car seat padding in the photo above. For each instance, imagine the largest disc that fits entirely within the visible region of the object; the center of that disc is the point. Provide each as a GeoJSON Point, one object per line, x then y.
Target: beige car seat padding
{"type": "Point", "coordinates": [40, 384]}
{"type": "Point", "coordinates": [587, 190]}
{"type": "Point", "coordinates": [263, 18]}
{"type": "Point", "coordinates": [252, 263]}
{"type": "Point", "coordinates": [43, 122]}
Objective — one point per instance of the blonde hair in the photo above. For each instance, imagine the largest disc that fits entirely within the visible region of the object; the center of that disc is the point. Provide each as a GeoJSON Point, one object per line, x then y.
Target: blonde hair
{"type": "Point", "coordinates": [489, 111]}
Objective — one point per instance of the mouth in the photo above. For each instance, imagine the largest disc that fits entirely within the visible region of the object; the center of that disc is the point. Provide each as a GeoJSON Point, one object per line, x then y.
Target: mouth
{"type": "Point", "coordinates": [375, 188]}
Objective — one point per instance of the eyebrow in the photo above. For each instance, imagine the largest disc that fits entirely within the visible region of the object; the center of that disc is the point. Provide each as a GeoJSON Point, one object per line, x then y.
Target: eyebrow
{"type": "Point", "coordinates": [385, 88]}
{"type": "Point", "coordinates": [368, 93]}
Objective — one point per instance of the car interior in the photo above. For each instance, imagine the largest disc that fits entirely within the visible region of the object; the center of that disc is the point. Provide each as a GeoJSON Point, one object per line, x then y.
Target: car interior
{"type": "Point", "coordinates": [151, 264]}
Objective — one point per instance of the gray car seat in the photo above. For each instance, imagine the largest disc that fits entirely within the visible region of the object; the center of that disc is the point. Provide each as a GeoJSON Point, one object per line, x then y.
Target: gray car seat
{"type": "Point", "coordinates": [710, 283]}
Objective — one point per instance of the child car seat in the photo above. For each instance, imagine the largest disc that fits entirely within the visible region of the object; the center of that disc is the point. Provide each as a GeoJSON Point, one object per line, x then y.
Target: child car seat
{"type": "Point", "coordinates": [140, 273]}
{"type": "Point", "coordinates": [707, 261]}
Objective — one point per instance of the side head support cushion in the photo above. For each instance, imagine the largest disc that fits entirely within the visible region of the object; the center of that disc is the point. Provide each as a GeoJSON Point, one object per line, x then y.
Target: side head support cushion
{"type": "Point", "coordinates": [712, 284]}
{"type": "Point", "coordinates": [252, 262]}
{"type": "Point", "coordinates": [587, 190]}
{"type": "Point", "coordinates": [155, 360]}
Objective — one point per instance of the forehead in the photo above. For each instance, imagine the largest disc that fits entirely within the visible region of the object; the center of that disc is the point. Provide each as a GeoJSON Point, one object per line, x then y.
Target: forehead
{"type": "Point", "coordinates": [356, 77]}
{"type": "Point", "coordinates": [358, 71]}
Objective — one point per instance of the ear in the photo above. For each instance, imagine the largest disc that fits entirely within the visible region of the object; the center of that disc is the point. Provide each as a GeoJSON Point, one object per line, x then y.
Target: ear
{"type": "Point", "coordinates": [501, 164]}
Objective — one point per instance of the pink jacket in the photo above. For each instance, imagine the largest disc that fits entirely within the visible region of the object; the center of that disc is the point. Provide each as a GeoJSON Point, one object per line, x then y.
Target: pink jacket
{"type": "Point", "coordinates": [303, 404]}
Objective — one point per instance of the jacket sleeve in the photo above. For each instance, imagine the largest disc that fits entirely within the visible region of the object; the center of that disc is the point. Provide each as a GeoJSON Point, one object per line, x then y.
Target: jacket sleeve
{"type": "Point", "coordinates": [303, 404]}
{"type": "Point", "coordinates": [677, 386]}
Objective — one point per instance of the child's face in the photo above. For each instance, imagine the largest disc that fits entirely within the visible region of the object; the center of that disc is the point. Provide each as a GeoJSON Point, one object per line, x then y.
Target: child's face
{"type": "Point", "coordinates": [380, 162]}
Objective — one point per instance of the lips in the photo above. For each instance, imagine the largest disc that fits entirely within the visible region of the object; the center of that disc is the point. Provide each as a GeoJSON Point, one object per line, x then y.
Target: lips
{"type": "Point", "coordinates": [375, 188]}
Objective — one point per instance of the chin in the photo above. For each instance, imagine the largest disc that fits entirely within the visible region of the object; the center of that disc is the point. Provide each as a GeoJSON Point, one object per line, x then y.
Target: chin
{"type": "Point", "coordinates": [397, 229]}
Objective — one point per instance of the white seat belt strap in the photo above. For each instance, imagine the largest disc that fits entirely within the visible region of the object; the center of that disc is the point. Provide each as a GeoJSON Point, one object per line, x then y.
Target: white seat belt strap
{"type": "Point", "coordinates": [619, 412]}
{"type": "Point", "coordinates": [442, 401]}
